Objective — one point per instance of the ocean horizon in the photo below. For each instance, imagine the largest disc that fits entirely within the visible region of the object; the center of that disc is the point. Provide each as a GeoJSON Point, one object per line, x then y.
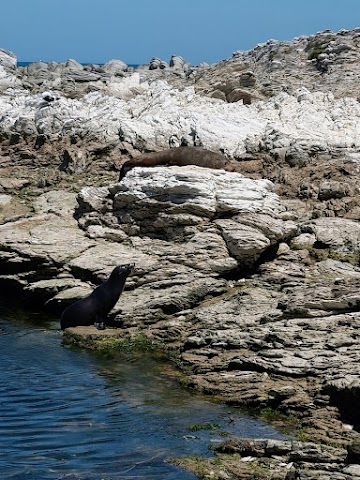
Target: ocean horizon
{"type": "Point", "coordinates": [25, 64]}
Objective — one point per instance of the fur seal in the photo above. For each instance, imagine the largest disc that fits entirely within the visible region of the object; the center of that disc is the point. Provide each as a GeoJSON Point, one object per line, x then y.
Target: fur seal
{"type": "Point", "coordinates": [179, 156]}
{"type": "Point", "coordinates": [94, 309]}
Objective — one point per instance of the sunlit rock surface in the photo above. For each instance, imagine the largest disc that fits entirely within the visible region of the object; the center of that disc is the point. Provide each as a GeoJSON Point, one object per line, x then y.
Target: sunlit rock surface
{"type": "Point", "coordinates": [252, 277]}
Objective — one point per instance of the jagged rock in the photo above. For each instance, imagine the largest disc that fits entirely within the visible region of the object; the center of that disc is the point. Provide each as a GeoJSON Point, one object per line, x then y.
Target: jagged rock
{"type": "Point", "coordinates": [177, 62]}
{"type": "Point", "coordinates": [93, 199]}
{"type": "Point", "coordinates": [338, 234]}
{"type": "Point", "coordinates": [145, 123]}
{"type": "Point", "coordinates": [37, 74]}
{"type": "Point", "coordinates": [8, 78]}
{"type": "Point", "coordinates": [73, 162]}
{"type": "Point", "coordinates": [290, 450]}
{"type": "Point", "coordinates": [154, 63]}
{"type": "Point", "coordinates": [282, 459]}
{"type": "Point", "coordinates": [48, 238]}
{"type": "Point", "coordinates": [7, 59]}
{"type": "Point", "coordinates": [115, 67]}
{"type": "Point", "coordinates": [9, 184]}
{"type": "Point", "coordinates": [333, 189]}
{"type": "Point", "coordinates": [315, 62]}
{"type": "Point", "coordinates": [76, 74]}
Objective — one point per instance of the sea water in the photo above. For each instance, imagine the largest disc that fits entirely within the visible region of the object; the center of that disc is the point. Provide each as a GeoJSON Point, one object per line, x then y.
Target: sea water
{"type": "Point", "coordinates": [71, 414]}
{"type": "Point", "coordinates": [25, 64]}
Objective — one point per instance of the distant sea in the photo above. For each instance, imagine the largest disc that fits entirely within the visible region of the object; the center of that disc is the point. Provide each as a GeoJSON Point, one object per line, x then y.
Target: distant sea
{"type": "Point", "coordinates": [25, 64]}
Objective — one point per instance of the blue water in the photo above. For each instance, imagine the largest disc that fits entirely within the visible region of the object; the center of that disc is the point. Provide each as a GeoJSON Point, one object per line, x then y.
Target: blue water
{"type": "Point", "coordinates": [72, 414]}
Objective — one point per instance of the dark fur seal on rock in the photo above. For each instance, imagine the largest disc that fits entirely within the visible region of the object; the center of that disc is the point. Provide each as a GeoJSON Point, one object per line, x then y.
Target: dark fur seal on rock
{"type": "Point", "coordinates": [94, 309]}
{"type": "Point", "coordinates": [179, 156]}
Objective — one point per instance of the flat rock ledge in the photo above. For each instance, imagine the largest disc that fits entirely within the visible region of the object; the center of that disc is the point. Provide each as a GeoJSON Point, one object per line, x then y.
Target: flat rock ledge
{"type": "Point", "coordinates": [275, 459]}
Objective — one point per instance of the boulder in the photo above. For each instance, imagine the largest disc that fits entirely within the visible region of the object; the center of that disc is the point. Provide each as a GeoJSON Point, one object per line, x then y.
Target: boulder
{"type": "Point", "coordinates": [7, 60]}
{"type": "Point", "coordinates": [115, 67]}
{"type": "Point", "coordinates": [8, 79]}
{"type": "Point", "coordinates": [155, 63]}
{"type": "Point", "coordinates": [340, 234]}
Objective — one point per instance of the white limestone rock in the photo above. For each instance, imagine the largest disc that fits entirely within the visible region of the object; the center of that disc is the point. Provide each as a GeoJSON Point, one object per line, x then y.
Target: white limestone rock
{"type": "Point", "coordinates": [8, 79]}
{"type": "Point", "coordinates": [244, 242]}
{"type": "Point", "coordinates": [339, 234]}
{"type": "Point", "coordinates": [7, 59]}
{"type": "Point", "coordinates": [209, 220]}
{"type": "Point", "coordinates": [196, 191]}
{"type": "Point", "coordinates": [115, 67]}
{"type": "Point", "coordinates": [148, 115]}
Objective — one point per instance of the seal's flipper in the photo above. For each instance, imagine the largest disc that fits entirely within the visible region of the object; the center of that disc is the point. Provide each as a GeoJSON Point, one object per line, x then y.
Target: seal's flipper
{"type": "Point", "coordinates": [100, 325]}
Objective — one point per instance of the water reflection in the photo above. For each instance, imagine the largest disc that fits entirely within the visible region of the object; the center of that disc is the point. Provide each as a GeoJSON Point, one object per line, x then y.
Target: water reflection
{"type": "Point", "coordinates": [69, 414]}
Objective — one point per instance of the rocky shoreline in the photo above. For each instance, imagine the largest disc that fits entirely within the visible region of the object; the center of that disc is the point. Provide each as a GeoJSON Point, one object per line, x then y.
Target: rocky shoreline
{"type": "Point", "coordinates": [249, 278]}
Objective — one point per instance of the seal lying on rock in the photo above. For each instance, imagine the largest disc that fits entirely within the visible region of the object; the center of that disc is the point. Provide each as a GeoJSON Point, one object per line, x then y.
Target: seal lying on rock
{"type": "Point", "coordinates": [95, 308]}
{"type": "Point", "coordinates": [179, 156]}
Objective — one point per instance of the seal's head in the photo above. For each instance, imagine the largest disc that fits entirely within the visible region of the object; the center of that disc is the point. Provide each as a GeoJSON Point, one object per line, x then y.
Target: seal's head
{"type": "Point", "coordinates": [122, 270]}
{"type": "Point", "coordinates": [124, 169]}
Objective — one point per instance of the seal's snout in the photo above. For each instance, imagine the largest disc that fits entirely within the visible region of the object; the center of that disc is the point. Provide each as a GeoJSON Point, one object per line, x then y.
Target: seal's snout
{"type": "Point", "coordinates": [128, 267]}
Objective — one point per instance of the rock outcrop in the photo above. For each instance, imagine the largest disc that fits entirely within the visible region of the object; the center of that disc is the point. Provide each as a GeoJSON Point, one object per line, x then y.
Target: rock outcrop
{"type": "Point", "coordinates": [7, 60]}
{"type": "Point", "coordinates": [252, 277]}
{"type": "Point", "coordinates": [283, 460]}
{"type": "Point", "coordinates": [8, 78]}
{"type": "Point", "coordinates": [315, 62]}
{"type": "Point", "coordinates": [183, 227]}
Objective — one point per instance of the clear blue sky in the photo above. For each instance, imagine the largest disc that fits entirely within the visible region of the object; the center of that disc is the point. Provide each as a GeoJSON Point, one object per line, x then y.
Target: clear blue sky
{"type": "Point", "coordinates": [136, 30]}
